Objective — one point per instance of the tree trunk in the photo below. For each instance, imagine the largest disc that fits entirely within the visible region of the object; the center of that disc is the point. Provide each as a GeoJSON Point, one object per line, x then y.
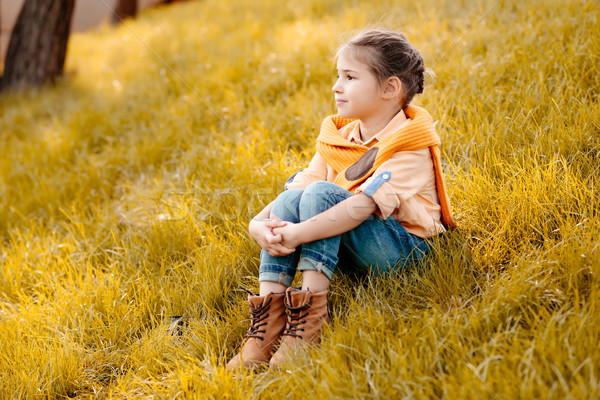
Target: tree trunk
{"type": "Point", "coordinates": [124, 9]}
{"type": "Point", "coordinates": [38, 43]}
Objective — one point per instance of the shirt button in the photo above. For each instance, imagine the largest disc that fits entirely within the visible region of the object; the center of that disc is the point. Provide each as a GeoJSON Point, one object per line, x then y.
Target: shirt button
{"type": "Point", "coordinates": [385, 176]}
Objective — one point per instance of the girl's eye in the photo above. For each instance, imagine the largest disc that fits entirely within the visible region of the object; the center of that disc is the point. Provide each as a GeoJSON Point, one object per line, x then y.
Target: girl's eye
{"type": "Point", "coordinates": [350, 77]}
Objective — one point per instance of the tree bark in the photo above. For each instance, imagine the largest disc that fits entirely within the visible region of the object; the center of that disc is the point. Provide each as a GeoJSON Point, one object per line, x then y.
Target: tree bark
{"type": "Point", "coordinates": [124, 9]}
{"type": "Point", "coordinates": [38, 44]}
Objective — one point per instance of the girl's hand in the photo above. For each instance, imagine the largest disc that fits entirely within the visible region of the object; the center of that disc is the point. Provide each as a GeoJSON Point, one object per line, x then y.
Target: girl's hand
{"type": "Point", "coordinates": [261, 231]}
{"type": "Point", "coordinates": [291, 235]}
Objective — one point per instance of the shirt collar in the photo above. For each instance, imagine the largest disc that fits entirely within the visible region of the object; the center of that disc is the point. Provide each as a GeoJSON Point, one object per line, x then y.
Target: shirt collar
{"type": "Point", "coordinates": [397, 123]}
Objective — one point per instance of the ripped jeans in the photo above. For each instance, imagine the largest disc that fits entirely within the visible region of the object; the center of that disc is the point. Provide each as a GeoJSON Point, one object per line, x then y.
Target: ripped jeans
{"type": "Point", "coordinates": [376, 243]}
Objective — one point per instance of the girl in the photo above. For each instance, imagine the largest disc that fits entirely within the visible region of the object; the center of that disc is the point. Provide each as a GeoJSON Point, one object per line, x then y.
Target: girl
{"type": "Point", "coordinates": [373, 193]}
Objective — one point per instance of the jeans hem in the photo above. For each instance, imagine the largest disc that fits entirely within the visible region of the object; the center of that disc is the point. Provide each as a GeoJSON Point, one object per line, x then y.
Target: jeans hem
{"type": "Point", "coordinates": [274, 276]}
{"type": "Point", "coordinates": [327, 264]}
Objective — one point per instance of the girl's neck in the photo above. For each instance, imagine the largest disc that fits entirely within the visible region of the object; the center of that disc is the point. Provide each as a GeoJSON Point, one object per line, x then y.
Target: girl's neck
{"type": "Point", "coordinates": [371, 126]}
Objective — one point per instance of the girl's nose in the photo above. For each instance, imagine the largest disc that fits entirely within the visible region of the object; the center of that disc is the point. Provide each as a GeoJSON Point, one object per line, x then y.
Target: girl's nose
{"type": "Point", "coordinates": [336, 88]}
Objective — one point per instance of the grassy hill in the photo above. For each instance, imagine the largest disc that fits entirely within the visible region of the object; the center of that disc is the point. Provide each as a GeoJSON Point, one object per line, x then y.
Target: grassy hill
{"type": "Point", "coordinates": [127, 188]}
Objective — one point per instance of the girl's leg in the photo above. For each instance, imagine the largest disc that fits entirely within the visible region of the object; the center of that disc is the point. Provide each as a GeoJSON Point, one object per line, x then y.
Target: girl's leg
{"type": "Point", "coordinates": [376, 243]}
{"type": "Point", "coordinates": [319, 258]}
{"type": "Point", "coordinates": [382, 245]}
{"type": "Point", "coordinates": [314, 281]}
{"type": "Point", "coordinates": [277, 273]}
{"type": "Point", "coordinates": [267, 310]}
{"type": "Point", "coordinates": [383, 242]}
{"type": "Point", "coordinates": [307, 308]}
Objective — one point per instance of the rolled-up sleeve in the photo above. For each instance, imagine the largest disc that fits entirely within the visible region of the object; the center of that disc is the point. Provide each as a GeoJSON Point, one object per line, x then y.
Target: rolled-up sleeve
{"type": "Point", "coordinates": [316, 171]}
{"type": "Point", "coordinates": [398, 180]}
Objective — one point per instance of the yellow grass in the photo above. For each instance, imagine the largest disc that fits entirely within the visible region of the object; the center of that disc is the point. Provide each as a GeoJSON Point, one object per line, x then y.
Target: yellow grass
{"type": "Point", "coordinates": [126, 191]}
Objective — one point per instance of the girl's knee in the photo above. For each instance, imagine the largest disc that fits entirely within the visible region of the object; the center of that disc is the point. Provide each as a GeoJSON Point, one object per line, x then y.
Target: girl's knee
{"type": "Point", "coordinates": [322, 188]}
{"type": "Point", "coordinates": [286, 205]}
{"type": "Point", "coordinates": [289, 196]}
{"type": "Point", "coordinates": [320, 196]}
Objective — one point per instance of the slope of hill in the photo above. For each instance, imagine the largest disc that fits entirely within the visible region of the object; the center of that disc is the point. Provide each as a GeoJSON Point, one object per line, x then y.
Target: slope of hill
{"type": "Point", "coordinates": [127, 188]}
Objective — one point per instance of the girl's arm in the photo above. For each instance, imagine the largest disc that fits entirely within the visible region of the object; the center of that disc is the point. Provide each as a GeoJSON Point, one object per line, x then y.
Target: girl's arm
{"type": "Point", "coordinates": [339, 219]}
{"type": "Point", "coordinates": [265, 213]}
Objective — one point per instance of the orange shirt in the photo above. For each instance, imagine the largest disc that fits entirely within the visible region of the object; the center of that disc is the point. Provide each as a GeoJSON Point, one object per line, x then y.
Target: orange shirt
{"type": "Point", "coordinates": [409, 195]}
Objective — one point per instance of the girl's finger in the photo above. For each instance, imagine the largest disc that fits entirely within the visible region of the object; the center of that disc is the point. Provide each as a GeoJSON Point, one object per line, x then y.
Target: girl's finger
{"type": "Point", "coordinates": [267, 238]}
{"type": "Point", "coordinates": [275, 223]}
{"type": "Point", "coordinates": [275, 219]}
{"type": "Point", "coordinates": [275, 253]}
{"type": "Point", "coordinates": [278, 250]}
{"type": "Point", "coordinates": [270, 238]}
{"type": "Point", "coordinates": [284, 250]}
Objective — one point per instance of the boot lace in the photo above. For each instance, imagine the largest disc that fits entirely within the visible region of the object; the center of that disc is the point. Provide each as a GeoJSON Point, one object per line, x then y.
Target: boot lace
{"type": "Point", "coordinates": [295, 319]}
{"type": "Point", "coordinates": [258, 316]}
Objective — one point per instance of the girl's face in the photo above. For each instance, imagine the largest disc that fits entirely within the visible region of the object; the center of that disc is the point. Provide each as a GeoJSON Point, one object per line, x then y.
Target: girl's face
{"type": "Point", "coordinates": [357, 92]}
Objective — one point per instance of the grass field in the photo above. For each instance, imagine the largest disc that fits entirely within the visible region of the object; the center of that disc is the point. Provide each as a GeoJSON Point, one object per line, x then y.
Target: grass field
{"type": "Point", "coordinates": [126, 191]}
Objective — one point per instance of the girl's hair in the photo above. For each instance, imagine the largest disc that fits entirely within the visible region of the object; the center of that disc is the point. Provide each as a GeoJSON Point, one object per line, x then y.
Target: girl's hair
{"type": "Point", "coordinates": [389, 53]}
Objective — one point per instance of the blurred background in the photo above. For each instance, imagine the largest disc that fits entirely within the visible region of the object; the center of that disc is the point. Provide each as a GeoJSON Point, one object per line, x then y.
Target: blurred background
{"type": "Point", "coordinates": [87, 14]}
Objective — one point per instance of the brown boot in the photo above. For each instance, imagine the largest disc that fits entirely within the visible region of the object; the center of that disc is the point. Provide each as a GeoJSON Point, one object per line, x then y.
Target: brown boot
{"type": "Point", "coordinates": [307, 313]}
{"type": "Point", "coordinates": [267, 322]}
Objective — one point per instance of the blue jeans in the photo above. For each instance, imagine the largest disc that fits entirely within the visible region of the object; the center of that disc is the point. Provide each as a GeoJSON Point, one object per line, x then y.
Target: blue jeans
{"type": "Point", "coordinates": [374, 244]}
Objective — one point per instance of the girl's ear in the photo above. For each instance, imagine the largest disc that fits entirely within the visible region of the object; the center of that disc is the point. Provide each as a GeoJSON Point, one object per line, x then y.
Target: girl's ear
{"type": "Point", "coordinates": [392, 87]}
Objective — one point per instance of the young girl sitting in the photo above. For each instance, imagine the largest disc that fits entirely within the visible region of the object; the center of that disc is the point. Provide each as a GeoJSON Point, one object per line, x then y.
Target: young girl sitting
{"type": "Point", "coordinates": [372, 193]}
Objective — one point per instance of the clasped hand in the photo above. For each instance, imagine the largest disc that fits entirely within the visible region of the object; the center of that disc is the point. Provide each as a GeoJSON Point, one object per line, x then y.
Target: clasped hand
{"type": "Point", "coordinates": [277, 237]}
